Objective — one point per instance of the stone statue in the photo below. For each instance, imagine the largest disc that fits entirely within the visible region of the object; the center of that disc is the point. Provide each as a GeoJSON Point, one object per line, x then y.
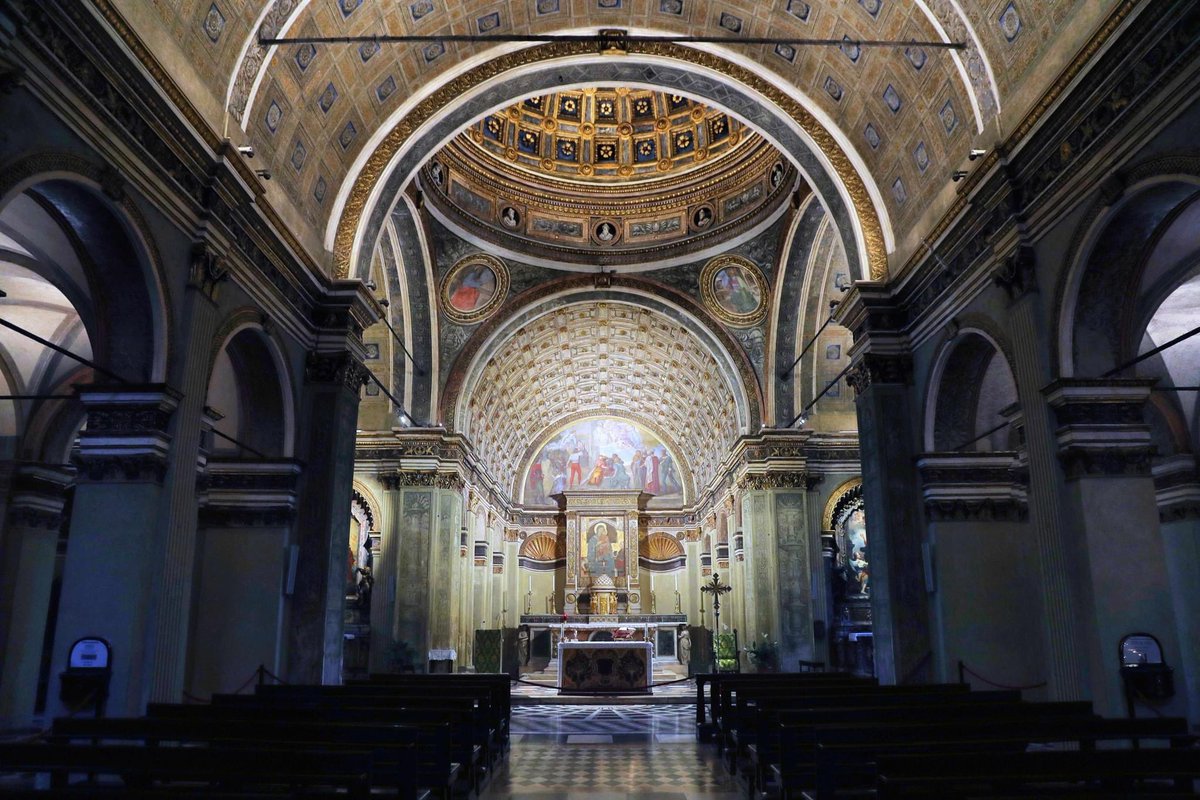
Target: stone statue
{"type": "Point", "coordinates": [685, 647]}
{"type": "Point", "coordinates": [523, 646]}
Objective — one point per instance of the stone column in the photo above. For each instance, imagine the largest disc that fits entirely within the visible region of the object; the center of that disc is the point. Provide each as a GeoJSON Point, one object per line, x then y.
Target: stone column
{"type": "Point", "coordinates": [246, 513]}
{"type": "Point", "coordinates": [1064, 640]}
{"type": "Point", "coordinates": [113, 556]}
{"type": "Point", "coordinates": [173, 590]}
{"type": "Point", "coordinates": [33, 525]}
{"type": "Point", "coordinates": [1177, 485]}
{"type": "Point", "coordinates": [819, 592]}
{"type": "Point", "coordinates": [1104, 446]}
{"type": "Point", "coordinates": [445, 559]}
{"type": "Point", "coordinates": [882, 377]}
{"type": "Point", "coordinates": [983, 568]}
{"type": "Point", "coordinates": [794, 567]}
{"type": "Point", "coordinates": [333, 377]}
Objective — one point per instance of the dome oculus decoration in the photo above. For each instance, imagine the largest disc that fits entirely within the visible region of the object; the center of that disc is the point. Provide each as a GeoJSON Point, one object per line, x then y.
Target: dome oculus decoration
{"type": "Point", "coordinates": [635, 173]}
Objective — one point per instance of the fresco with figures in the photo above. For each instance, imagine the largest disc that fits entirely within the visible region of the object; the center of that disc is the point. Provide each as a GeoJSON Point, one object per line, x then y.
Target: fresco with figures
{"type": "Point", "coordinates": [603, 454]}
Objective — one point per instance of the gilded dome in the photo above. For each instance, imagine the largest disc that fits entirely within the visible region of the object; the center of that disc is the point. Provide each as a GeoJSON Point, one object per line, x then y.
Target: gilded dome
{"type": "Point", "coordinates": [629, 175]}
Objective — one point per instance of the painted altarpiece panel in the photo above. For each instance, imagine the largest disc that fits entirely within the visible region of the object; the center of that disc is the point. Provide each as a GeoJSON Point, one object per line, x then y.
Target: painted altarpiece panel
{"type": "Point", "coordinates": [603, 530]}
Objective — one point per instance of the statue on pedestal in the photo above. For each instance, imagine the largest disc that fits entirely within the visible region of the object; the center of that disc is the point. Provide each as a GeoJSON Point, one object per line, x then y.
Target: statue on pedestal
{"type": "Point", "coordinates": [685, 647]}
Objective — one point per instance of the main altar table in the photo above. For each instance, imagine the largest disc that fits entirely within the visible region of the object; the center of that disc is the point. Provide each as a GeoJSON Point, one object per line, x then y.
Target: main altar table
{"type": "Point", "coordinates": [612, 667]}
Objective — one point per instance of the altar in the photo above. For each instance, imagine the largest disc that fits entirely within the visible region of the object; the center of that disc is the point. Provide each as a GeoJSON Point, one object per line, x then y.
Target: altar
{"type": "Point", "coordinates": [594, 667]}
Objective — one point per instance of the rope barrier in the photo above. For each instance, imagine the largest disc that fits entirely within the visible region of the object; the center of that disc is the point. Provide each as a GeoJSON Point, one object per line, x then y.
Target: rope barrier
{"type": "Point", "coordinates": [963, 668]}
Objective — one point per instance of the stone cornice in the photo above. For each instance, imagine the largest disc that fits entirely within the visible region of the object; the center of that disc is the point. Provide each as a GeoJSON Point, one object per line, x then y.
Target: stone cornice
{"type": "Point", "coordinates": [1177, 488]}
{"type": "Point", "coordinates": [125, 437]}
{"type": "Point", "coordinates": [1101, 426]}
{"type": "Point", "coordinates": [973, 486]}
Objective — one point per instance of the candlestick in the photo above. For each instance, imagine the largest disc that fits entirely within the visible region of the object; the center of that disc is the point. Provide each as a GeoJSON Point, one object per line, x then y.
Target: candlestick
{"type": "Point", "coordinates": [677, 581]}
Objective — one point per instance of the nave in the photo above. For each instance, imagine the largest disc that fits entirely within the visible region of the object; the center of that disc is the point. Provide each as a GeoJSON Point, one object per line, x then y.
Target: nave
{"type": "Point", "coordinates": [589, 752]}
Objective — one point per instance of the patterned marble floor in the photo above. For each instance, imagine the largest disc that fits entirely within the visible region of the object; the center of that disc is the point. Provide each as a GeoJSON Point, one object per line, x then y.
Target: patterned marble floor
{"type": "Point", "coordinates": [609, 753]}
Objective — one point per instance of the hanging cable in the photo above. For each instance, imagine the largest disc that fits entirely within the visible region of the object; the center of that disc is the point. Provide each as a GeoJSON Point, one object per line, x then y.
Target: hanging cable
{"type": "Point", "coordinates": [607, 39]}
{"type": "Point", "coordinates": [803, 415]}
{"type": "Point", "coordinates": [783, 376]}
{"type": "Point", "coordinates": [416, 367]}
{"type": "Point", "coordinates": [1149, 353]}
{"type": "Point", "coordinates": [45, 342]}
{"type": "Point", "coordinates": [399, 406]}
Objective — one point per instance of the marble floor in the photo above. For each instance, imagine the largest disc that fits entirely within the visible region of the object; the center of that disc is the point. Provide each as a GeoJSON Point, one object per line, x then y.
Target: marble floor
{"type": "Point", "coordinates": [624, 752]}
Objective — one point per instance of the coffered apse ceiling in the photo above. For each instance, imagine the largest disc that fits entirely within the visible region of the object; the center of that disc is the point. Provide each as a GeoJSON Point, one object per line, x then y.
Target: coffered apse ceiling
{"type": "Point", "coordinates": [904, 117]}
{"type": "Point", "coordinates": [607, 359]}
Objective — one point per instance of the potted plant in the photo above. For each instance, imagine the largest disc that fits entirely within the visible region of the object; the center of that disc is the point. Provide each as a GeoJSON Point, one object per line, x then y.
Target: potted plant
{"type": "Point", "coordinates": [763, 654]}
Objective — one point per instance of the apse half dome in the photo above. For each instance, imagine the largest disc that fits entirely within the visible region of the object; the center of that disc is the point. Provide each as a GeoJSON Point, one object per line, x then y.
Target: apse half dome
{"type": "Point", "coordinates": [615, 174]}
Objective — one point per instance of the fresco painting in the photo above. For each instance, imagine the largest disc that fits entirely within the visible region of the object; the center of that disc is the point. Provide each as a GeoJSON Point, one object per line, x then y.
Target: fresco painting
{"type": "Point", "coordinates": [603, 454]}
{"type": "Point", "coordinates": [736, 290]}
{"type": "Point", "coordinates": [472, 287]}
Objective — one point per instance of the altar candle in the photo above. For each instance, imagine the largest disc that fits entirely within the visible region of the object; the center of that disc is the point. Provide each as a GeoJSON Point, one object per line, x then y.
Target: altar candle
{"type": "Point", "coordinates": [530, 583]}
{"type": "Point", "coordinates": [677, 581]}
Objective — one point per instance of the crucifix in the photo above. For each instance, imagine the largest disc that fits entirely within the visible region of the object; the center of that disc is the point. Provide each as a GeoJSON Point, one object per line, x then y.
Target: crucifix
{"type": "Point", "coordinates": [716, 589]}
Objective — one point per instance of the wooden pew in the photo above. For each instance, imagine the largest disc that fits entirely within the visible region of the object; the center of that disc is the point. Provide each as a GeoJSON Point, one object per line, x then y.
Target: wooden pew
{"type": "Point", "coordinates": [194, 769]}
{"type": "Point", "coordinates": [798, 730]}
{"type": "Point", "coordinates": [1047, 774]}
{"type": "Point", "coordinates": [470, 738]}
{"type": "Point", "coordinates": [404, 758]}
{"type": "Point", "coordinates": [440, 769]}
{"type": "Point", "coordinates": [491, 721]}
{"type": "Point", "coordinates": [846, 755]}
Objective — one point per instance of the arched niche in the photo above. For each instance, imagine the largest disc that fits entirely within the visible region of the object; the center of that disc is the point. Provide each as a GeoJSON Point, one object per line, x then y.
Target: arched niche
{"type": "Point", "coordinates": [248, 389]}
{"type": "Point", "coordinates": [661, 552]}
{"type": "Point", "coordinates": [971, 385]}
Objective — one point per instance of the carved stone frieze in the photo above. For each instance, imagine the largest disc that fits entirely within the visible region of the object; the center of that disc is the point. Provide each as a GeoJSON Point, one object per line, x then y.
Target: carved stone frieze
{"type": "Point", "coordinates": [125, 436]}
{"type": "Point", "coordinates": [1112, 461]}
{"type": "Point", "coordinates": [757, 482]}
{"type": "Point", "coordinates": [403, 479]}
{"type": "Point", "coordinates": [208, 270]}
{"type": "Point", "coordinates": [335, 368]}
{"type": "Point", "coordinates": [1017, 274]}
{"type": "Point", "coordinates": [874, 368]}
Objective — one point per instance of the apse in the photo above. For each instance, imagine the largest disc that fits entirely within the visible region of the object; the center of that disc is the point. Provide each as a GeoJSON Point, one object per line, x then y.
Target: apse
{"type": "Point", "coordinates": [635, 378]}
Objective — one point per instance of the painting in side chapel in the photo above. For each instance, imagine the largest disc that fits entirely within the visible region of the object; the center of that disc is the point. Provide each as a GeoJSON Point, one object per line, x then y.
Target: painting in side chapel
{"type": "Point", "coordinates": [852, 541]}
{"type": "Point", "coordinates": [603, 454]}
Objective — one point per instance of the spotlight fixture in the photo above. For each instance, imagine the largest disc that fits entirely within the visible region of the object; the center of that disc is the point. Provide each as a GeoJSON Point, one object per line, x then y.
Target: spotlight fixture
{"type": "Point", "coordinates": [370, 285]}
{"type": "Point", "coordinates": [265, 174]}
{"type": "Point", "coordinates": [958, 175]}
{"type": "Point", "coordinates": [383, 301]}
{"type": "Point", "coordinates": [976, 154]}
{"type": "Point", "coordinates": [247, 151]}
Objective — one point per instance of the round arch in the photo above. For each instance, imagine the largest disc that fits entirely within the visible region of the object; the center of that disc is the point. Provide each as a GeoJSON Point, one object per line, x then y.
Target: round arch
{"type": "Point", "coordinates": [827, 162]}
{"type": "Point", "coordinates": [101, 204]}
{"type": "Point", "coordinates": [846, 492]}
{"type": "Point", "coordinates": [250, 321]}
{"type": "Point", "coordinates": [1107, 258]}
{"type": "Point", "coordinates": [972, 380]}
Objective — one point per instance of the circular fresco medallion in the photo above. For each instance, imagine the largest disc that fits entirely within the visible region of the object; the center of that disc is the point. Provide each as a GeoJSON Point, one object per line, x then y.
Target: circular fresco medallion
{"type": "Point", "coordinates": [606, 231]}
{"type": "Point", "coordinates": [703, 217]}
{"type": "Point", "coordinates": [474, 288]}
{"type": "Point", "coordinates": [510, 218]}
{"type": "Point", "coordinates": [735, 290]}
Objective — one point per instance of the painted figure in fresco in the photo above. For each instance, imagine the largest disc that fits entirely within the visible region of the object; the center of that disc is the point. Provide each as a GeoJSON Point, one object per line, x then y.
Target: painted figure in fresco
{"type": "Point", "coordinates": [473, 288]}
{"type": "Point", "coordinates": [638, 466]}
{"type": "Point", "coordinates": [601, 547]}
{"type": "Point", "coordinates": [735, 292]}
{"type": "Point", "coordinates": [605, 232]}
{"type": "Point", "coordinates": [620, 478]}
{"type": "Point", "coordinates": [653, 484]}
{"type": "Point", "coordinates": [575, 467]}
{"type": "Point", "coordinates": [671, 484]}
{"type": "Point", "coordinates": [600, 472]}
{"type": "Point", "coordinates": [537, 492]}
{"type": "Point", "coordinates": [560, 484]}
